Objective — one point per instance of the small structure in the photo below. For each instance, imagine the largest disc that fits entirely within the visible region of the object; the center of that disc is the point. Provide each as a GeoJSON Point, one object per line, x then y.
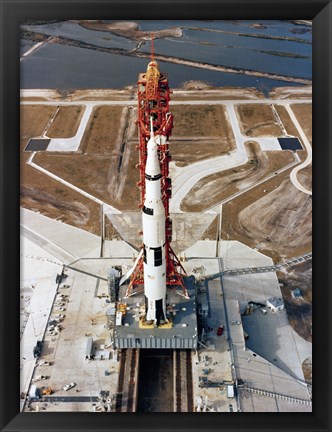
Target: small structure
{"type": "Point", "coordinates": [88, 350]}
{"type": "Point", "coordinates": [110, 316]}
{"type": "Point", "coordinates": [113, 278]}
{"type": "Point", "coordinates": [296, 293]}
{"type": "Point", "coordinates": [118, 319]}
{"type": "Point", "coordinates": [275, 304]}
{"type": "Point", "coordinates": [34, 392]}
{"type": "Point", "coordinates": [230, 391]}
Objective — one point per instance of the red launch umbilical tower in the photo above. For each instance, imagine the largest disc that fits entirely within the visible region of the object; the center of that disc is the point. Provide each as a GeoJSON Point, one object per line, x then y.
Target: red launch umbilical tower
{"type": "Point", "coordinates": [153, 101]}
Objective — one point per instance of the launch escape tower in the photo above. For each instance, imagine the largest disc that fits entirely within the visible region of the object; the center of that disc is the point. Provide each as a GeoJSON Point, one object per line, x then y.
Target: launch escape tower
{"type": "Point", "coordinates": [153, 104]}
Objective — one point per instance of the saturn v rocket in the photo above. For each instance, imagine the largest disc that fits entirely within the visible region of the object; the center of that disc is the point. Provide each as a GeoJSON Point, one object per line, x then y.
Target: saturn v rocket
{"type": "Point", "coordinates": [157, 267]}
{"type": "Point", "coordinates": [153, 218]}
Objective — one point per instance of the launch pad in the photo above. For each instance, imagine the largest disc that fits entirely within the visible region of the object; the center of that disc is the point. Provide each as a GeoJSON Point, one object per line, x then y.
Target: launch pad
{"type": "Point", "coordinates": [181, 311]}
{"type": "Point", "coordinates": [109, 320]}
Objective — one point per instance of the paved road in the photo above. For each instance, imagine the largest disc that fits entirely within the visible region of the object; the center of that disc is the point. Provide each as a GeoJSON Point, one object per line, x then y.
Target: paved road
{"type": "Point", "coordinates": [293, 175]}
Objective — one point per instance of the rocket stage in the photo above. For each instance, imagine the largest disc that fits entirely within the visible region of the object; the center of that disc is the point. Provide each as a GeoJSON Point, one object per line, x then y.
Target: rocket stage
{"type": "Point", "coordinates": [182, 334]}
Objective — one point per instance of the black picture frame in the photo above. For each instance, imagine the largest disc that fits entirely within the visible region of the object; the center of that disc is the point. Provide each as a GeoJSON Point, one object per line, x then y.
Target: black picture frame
{"type": "Point", "coordinates": [12, 13]}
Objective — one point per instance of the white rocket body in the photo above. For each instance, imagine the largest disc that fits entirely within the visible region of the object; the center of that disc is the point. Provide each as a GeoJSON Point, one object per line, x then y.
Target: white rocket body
{"type": "Point", "coordinates": [153, 217]}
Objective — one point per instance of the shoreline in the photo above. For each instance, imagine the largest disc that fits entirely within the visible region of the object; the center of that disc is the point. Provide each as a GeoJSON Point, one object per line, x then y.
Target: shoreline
{"type": "Point", "coordinates": [60, 40]}
{"type": "Point", "coordinates": [180, 61]}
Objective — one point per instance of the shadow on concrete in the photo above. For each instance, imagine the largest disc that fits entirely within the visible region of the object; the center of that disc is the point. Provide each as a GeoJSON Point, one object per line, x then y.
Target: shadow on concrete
{"type": "Point", "coordinates": [266, 333]}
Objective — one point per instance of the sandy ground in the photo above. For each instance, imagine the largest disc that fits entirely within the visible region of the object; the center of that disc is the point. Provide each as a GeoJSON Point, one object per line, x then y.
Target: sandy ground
{"type": "Point", "coordinates": [298, 277]}
{"type": "Point", "coordinates": [286, 121]}
{"type": "Point", "coordinates": [40, 193]}
{"type": "Point", "coordinates": [303, 114]}
{"type": "Point", "coordinates": [258, 121]}
{"type": "Point", "coordinates": [291, 92]}
{"type": "Point", "coordinates": [278, 223]}
{"type": "Point", "coordinates": [200, 133]}
{"type": "Point", "coordinates": [101, 135]}
{"type": "Point", "coordinates": [130, 29]}
{"type": "Point", "coordinates": [66, 122]}
{"type": "Point", "coordinates": [226, 183]}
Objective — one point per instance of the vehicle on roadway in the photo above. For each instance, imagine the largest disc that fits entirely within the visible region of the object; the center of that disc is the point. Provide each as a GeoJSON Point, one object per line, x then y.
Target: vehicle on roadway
{"type": "Point", "coordinates": [68, 386]}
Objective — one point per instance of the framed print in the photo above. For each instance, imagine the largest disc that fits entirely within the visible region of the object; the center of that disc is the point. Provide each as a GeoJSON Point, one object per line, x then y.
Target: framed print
{"type": "Point", "coordinates": [160, 213]}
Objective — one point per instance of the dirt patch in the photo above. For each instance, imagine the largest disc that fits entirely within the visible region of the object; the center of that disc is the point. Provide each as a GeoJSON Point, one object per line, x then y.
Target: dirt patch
{"type": "Point", "coordinates": [89, 173]}
{"type": "Point", "coordinates": [92, 173]}
{"type": "Point", "coordinates": [226, 183]}
{"type": "Point", "coordinates": [33, 120]}
{"type": "Point", "coordinates": [130, 30]}
{"type": "Point", "coordinates": [305, 177]}
{"type": "Point", "coordinates": [47, 196]}
{"type": "Point", "coordinates": [41, 193]}
{"type": "Point", "coordinates": [212, 231]}
{"type": "Point", "coordinates": [189, 91]}
{"type": "Point", "coordinates": [303, 114]}
{"type": "Point", "coordinates": [200, 133]}
{"type": "Point", "coordinates": [111, 232]}
{"type": "Point", "coordinates": [287, 121]}
{"type": "Point", "coordinates": [33, 99]}
{"type": "Point", "coordinates": [299, 310]}
{"type": "Point", "coordinates": [102, 132]}
{"type": "Point", "coordinates": [258, 120]}
{"type": "Point", "coordinates": [263, 220]}
{"type": "Point", "coordinates": [103, 94]}
{"type": "Point", "coordinates": [200, 121]}
{"type": "Point", "coordinates": [66, 122]}
{"type": "Point", "coordinates": [303, 92]}
{"type": "Point", "coordinates": [75, 211]}
{"type": "Point", "coordinates": [307, 370]}
{"type": "Point", "coordinates": [190, 151]}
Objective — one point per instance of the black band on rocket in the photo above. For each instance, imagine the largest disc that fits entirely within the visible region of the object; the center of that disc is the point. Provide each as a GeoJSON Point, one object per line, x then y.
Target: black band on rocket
{"type": "Point", "coordinates": [156, 177]}
{"type": "Point", "coordinates": [148, 211]}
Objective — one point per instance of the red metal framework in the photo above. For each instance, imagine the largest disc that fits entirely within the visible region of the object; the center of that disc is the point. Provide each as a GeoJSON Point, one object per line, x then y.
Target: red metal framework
{"type": "Point", "coordinates": [153, 101]}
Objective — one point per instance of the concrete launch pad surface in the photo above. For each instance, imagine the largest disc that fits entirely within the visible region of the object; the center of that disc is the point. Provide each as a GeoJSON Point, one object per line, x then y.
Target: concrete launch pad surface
{"type": "Point", "coordinates": [187, 228]}
{"type": "Point", "coordinates": [270, 359]}
{"type": "Point", "coordinates": [182, 334]}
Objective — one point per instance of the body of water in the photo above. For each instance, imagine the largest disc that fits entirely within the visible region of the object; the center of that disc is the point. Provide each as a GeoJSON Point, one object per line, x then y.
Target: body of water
{"type": "Point", "coordinates": [68, 68]}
